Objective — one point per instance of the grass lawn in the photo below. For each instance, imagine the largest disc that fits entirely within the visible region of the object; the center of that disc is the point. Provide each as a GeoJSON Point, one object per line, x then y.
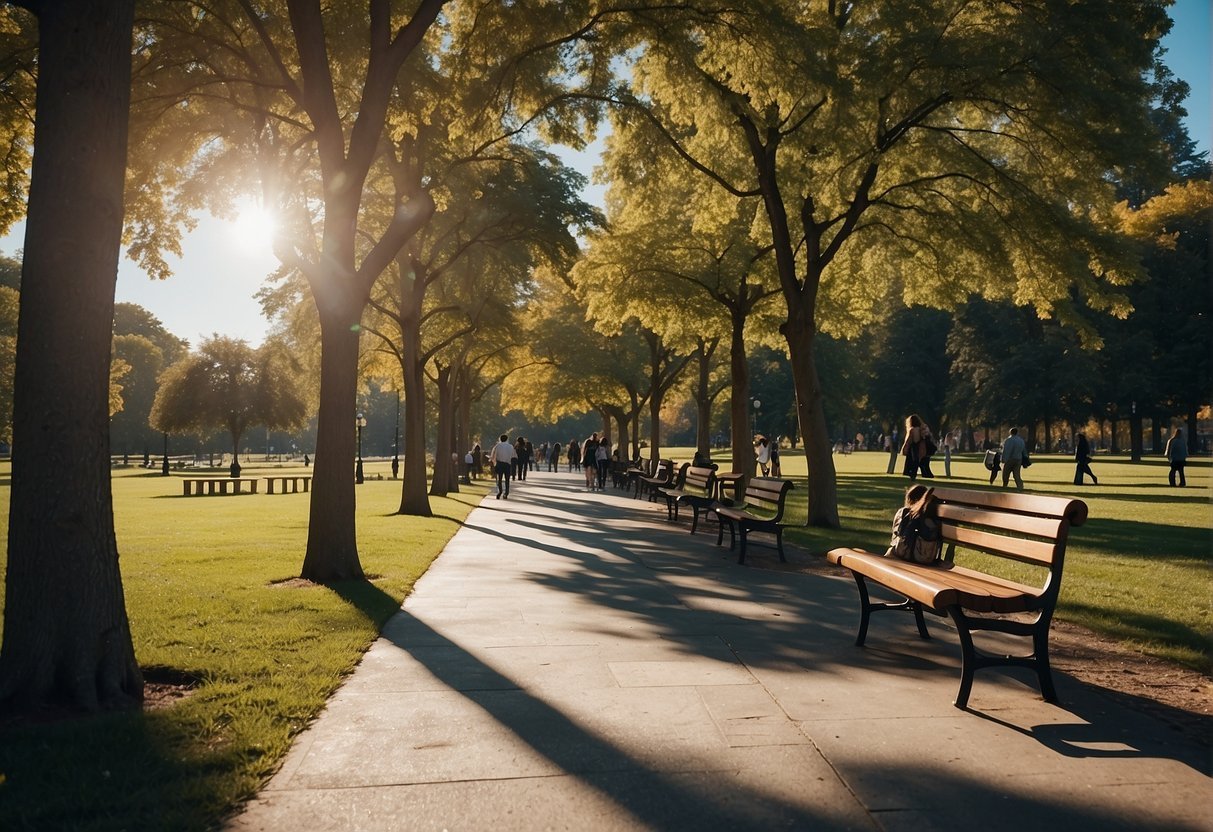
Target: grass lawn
{"type": "Point", "coordinates": [209, 596]}
{"type": "Point", "coordinates": [203, 591]}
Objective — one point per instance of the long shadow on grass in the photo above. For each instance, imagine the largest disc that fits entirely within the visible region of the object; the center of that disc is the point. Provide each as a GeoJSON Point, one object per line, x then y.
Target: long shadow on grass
{"type": "Point", "coordinates": [1135, 539]}
{"type": "Point", "coordinates": [377, 605]}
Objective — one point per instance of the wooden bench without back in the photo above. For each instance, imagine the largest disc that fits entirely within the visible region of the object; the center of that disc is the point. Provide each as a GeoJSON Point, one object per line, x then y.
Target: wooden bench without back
{"type": "Point", "coordinates": [761, 510]}
{"type": "Point", "coordinates": [1015, 535]}
{"type": "Point", "coordinates": [698, 490]}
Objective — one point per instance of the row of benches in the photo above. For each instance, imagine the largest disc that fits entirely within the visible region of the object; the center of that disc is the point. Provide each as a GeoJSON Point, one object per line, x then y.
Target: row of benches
{"type": "Point", "coordinates": [996, 527]}
{"type": "Point", "coordinates": [210, 486]}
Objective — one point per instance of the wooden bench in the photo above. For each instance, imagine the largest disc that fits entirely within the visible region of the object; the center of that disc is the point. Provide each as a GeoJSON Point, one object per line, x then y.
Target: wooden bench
{"type": "Point", "coordinates": [760, 510]}
{"type": "Point", "coordinates": [639, 468]}
{"type": "Point", "coordinates": [194, 486]}
{"type": "Point", "coordinates": [619, 473]}
{"type": "Point", "coordinates": [1013, 528]}
{"type": "Point", "coordinates": [662, 476]}
{"type": "Point", "coordinates": [698, 490]}
{"type": "Point", "coordinates": [294, 480]}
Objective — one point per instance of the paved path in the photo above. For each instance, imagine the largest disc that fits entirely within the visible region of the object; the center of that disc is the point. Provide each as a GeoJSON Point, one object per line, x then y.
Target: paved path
{"type": "Point", "coordinates": [572, 661]}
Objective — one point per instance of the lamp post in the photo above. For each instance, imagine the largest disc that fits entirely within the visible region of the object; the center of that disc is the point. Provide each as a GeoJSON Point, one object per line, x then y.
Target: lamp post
{"type": "Point", "coordinates": [360, 423]}
{"type": "Point", "coordinates": [164, 461]}
{"type": "Point", "coordinates": [757, 407]}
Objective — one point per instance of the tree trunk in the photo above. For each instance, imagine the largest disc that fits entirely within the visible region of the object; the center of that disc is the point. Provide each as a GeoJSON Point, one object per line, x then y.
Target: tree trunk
{"type": "Point", "coordinates": [332, 546]}
{"type": "Point", "coordinates": [66, 635]}
{"type": "Point", "coordinates": [413, 497]}
{"type": "Point", "coordinates": [743, 442]}
{"type": "Point", "coordinates": [823, 489]}
{"type": "Point", "coordinates": [443, 482]}
{"type": "Point", "coordinates": [703, 401]}
{"type": "Point", "coordinates": [1193, 438]}
{"type": "Point", "coordinates": [1135, 431]}
{"type": "Point", "coordinates": [655, 399]}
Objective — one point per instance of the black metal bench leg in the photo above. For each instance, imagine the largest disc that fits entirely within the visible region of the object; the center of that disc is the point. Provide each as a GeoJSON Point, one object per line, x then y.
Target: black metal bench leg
{"type": "Point", "coordinates": [1044, 672]}
{"type": "Point", "coordinates": [968, 657]}
{"type": "Point", "coordinates": [741, 555]}
{"type": "Point", "coordinates": [779, 543]}
{"type": "Point", "coordinates": [694, 517]}
{"type": "Point", "coordinates": [865, 609]}
{"type": "Point", "coordinates": [919, 620]}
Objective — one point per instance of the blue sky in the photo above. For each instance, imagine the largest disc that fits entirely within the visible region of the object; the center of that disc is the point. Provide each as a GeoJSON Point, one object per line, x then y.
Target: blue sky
{"type": "Point", "coordinates": [214, 284]}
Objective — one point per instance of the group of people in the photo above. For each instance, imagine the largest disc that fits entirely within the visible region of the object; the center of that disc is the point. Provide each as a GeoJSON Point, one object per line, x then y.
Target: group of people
{"type": "Point", "coordinates": [768, 457]}
{"type": "Point", "coordinates": [1012, 457]}
{"type": "Point", "coordinates": [511, 461]}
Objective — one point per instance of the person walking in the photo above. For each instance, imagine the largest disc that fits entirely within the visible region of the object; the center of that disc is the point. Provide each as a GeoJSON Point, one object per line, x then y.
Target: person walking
{"type": "Point", "coordinates": [602, 461]}
{"type": "Point", "coordinates": [1082, 460]}
{"type": "Point", "coordinates": [574, 455]}
{"type": "Point", "coordinates": [1013, 451]}
{"type": "Point", "coordinates": [950, 442]}
{"type": "Point", "coordinates": [519, 472]}
{"type": "Point", "coordinates": [1177, 455]}
{"type": "Point", "coordinates": [764, 455]}
{"type": "Point", "coordinates": [554, 458]}
{"type": "Point", "coordinates": [589, 465]}
{"type": "Point", "coordinates": [502, 460]}
{"type": "Point", "coordinates": [993, 462]}
{"type": "Point", "coordinates": [917, 448]}
{"type": "Point", "coordinates": [776, 471]}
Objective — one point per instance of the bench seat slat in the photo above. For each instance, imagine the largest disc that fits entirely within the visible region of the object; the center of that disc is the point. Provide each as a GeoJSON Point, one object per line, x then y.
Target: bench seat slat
{"type": "Point", "coordinates": [942, 585]}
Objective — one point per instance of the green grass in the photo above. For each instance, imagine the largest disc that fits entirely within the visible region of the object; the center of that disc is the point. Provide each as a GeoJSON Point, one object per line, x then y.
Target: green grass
{"type": "Point", "coordinates": [204, 594]}
{"type": "Point", "coordinates": [203, 580]}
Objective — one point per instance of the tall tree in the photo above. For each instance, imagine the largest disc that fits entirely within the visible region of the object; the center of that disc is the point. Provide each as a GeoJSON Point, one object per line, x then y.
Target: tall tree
{"type": "Point", "coordinates": [66, 634]}
{"type": "Point", "coordinates": [961, 146]}
{"type": "Point", "coordinates": [679, 259]}
{"type": "Point", "coordinates": [306, 95]}
{"type": "Point", "coordinates": [143, 343]}
{"type": "Point", "coordinates": [229, 385]}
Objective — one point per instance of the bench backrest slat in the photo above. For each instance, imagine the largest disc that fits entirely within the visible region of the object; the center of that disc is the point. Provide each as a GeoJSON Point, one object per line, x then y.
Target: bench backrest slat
{"type": "Point", "coordinates": [681, 476]}
{"type": "Point", "coordinates": [767, 494]}
{"type": "Point", "coordinates": [1029, 528]}
{"type": "Point", "coordinates": [1016, 548]}
{"type": "Point", "coordinates": [1019, 523]}
{"type": "Point", "coordinates": [699, 479]}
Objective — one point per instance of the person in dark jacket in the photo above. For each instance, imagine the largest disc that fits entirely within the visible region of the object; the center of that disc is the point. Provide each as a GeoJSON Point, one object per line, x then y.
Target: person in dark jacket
{"type": "Point", "coordinates": [1177, 455]}
{"type": "Point", "coordinates": [1082, 459]}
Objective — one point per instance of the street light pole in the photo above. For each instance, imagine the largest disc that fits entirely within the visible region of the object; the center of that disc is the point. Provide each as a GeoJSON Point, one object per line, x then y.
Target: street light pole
{"type": "Point", "coordinates": [164, 462]}
{"type": "Point", "coordinates": [360, 423]}
{"type": "Point", "coordinates": [757, 407]}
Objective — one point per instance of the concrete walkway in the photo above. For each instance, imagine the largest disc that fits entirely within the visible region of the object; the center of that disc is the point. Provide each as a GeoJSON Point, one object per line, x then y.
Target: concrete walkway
{"type": "Point", "coordinates": [572, 661]}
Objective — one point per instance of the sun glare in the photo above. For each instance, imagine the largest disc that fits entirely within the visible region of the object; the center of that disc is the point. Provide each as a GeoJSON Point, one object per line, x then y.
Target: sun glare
{"type": "Point", "coordinates": [254, 226]}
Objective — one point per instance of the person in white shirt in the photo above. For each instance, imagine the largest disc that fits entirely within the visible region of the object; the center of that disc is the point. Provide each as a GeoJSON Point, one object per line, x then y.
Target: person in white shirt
{"type": "Point", "coordinates": [764, 455]}
{"type": "Point", "coordinates": [502, 456]}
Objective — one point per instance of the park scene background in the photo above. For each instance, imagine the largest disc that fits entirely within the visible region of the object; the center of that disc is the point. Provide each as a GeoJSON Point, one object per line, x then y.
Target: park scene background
{"type": "Point", "coordinates": [982, 263]}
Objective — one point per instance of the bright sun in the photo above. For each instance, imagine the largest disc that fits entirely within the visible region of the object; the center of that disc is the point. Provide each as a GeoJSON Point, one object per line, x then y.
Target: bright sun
{"type": "Point", "coordinates": [254, 226]}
